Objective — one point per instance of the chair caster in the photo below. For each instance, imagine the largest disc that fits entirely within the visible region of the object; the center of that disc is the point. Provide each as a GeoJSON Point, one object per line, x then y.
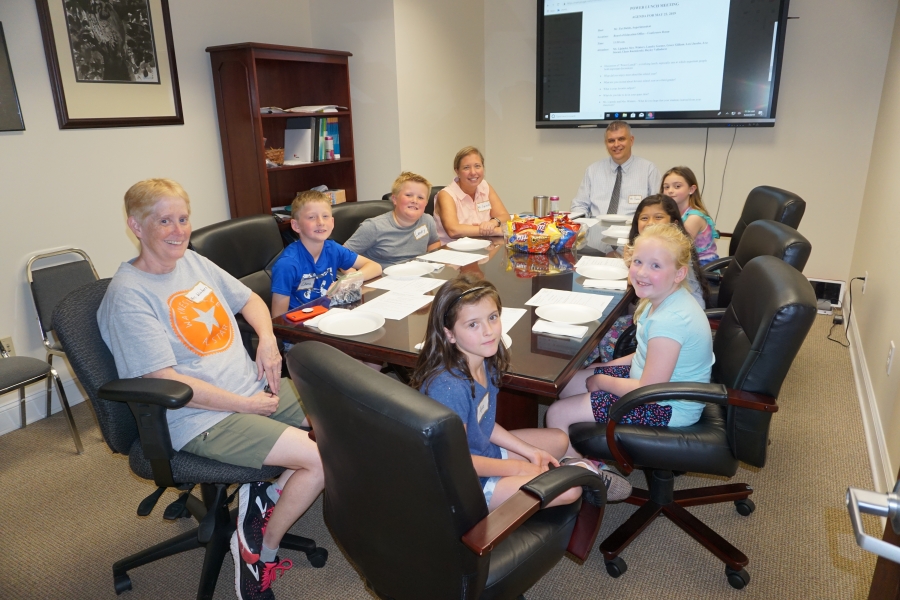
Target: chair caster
{"type": "Point", "coordinates": [318, 557]}
{"type": "Point", "coordinates": [122, 583]}
{"type": "Point", "coordinates": [745, 507]}
{"type": "Point", "coordinates": [616, 566]}
{"type": "Point", "coordinates": [737, 579]}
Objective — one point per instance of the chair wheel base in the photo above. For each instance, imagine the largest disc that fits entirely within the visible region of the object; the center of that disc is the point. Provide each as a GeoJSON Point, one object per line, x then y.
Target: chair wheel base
{"type": "Point", "coordinates": [122, 583]}
{"type": "Point", "coordinates": [737, 579]}
{"type": "Point", "coordinates": [616, 566]}
{"type": "Point", "coordinates": [318, 557]}
{"type": "Point", "coordinates": [745, 507]}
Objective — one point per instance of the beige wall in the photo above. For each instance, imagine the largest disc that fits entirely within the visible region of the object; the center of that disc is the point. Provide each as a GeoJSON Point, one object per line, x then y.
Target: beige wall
{"type": "Point", "coordinates": [440, 82]}
{"type": "Point", "coordinates": [64, 188]}
{"type": "Point", "coordinates": [834, 65]}
{"type": "Point", "coordinates": [877, 249]}
{"type": "Point", "coordinates": [367, 30]}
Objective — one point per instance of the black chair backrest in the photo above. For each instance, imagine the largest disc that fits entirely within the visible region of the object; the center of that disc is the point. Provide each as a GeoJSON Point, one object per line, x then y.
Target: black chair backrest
{"type": "Point", "coordinates": [49, 285]}
{"type": "Point", "coordinates": [429, 208]}
{"type": "Point", "coordinates": [763, 238]}
{"type": "Point", "coordinates": [349, 215]}
{"type": "Point", "coordinates": [245, 247]}
{"type": "Point", "coordinates": [75, 321]}
{"type": "Point", "coordinates": [400, 488]}
{"type": "Point", "coordinates": [767, 202]}
{"type": "Point", "coordinates": [764, 327]}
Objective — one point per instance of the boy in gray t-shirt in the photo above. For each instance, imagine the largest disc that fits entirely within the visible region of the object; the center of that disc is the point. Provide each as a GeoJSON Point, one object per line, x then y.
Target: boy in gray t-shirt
{"type": "Point", "coordinates": [405, 232]}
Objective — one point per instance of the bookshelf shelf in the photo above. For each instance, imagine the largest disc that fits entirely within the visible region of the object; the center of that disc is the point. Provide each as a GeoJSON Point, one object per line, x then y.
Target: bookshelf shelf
{"type": "Point", "coordinates": [252, 75]}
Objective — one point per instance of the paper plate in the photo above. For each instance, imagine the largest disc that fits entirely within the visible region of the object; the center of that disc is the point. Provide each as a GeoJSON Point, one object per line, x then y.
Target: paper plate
{"type": "Point", "coordinates": [354, 322]}
{"type": "Point", "coordinates": [602, 272]}
{"type": "Point", "coordinates": [409, 270]}
{"type": "Point", "coordinates": [614, 219]}
{"type": "Point", "coordinates": [617, 231]}
{"type": "Point", "coordinates": [568, 313]}
{"type": "Point", "coordinates": [468, 244]}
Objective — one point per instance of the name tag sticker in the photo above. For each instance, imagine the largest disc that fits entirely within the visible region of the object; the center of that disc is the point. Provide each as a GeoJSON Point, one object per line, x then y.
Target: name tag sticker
{"type": "Point", "coordinates": [634, 199]}
{"type": "Point", "coordinates": [199, 292]}
{"type": "Point", "coordinates": [306, 282]}
{"type": "Point", "coordinates": [482, 407]}
{"type": "Point", "coordinates": [483, 206]}
{"type": "Point", "coordinates": [420, 232]}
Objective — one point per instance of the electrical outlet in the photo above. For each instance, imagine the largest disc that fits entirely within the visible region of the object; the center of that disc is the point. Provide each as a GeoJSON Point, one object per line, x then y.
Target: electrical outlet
{"type": "Point", "coordinates": [865, 281]}
{"type": "Point", "coordinates": [8, 344]}
{"type": "Point", "coordinates": [890, 358]}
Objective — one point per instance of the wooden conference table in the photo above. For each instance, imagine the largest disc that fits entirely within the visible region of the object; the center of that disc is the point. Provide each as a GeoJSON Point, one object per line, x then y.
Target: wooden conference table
{"type": "Point", "coordinates": [540, 365]}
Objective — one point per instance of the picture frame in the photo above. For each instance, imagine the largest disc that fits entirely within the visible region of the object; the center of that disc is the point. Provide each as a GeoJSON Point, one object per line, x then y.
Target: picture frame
{"type": "Point", "coordinates": [111, 64]}
{"type": "Point", "coordinates": [10, 111]}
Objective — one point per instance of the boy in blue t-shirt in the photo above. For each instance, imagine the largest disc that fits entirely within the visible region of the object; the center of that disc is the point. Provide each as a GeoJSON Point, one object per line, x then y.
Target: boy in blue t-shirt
{"type": "Point", "coordinates": [308, 267]}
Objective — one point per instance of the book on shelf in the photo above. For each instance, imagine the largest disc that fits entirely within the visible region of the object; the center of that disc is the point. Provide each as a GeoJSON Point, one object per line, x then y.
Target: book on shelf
{"type": "Point", "coordinates": [333, 130]}
{"type": "Point", "coordinates": [313, 108]}
{"type": "Point", "coordinates": [298, 142]}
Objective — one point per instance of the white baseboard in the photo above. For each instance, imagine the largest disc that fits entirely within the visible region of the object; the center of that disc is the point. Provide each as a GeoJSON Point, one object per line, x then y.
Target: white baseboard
{"type": "Point", "coordinates": [883, 473]}
{"type": "Point", "coordinates": [35, 404]}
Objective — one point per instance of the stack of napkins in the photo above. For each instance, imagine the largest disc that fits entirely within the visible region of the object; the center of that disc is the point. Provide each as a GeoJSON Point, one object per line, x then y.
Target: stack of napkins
{"type": "Point", "coordinates": [606, 284]}
{"type": "Point", "coordinates": [562, 329]}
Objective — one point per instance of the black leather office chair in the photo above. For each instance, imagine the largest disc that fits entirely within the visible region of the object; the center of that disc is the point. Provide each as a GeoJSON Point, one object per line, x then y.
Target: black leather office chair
{"type": "Point", "coordinates": [761, 238]}
{"type": "Point", "coordinates": [246, 248]}
{"type": "Point", "coordinates": [771, 312]}
{"type": "Point", "coordinates": [429, 208]}
{"type": "Point", "coordinates": [401, 495]}
{"type": "Point", "coordinates": [763, 202]}
{"type": "Point", "coordinates": [349, 215]}
{"type": "Point", "coordinates": [131, 415]}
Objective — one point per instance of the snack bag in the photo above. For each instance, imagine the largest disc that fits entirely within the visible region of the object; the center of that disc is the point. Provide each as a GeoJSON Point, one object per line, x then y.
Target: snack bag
{"type": "Point", "coordinates": [534, 235]}
{"type": "Point", "coordinates": [346, 289]}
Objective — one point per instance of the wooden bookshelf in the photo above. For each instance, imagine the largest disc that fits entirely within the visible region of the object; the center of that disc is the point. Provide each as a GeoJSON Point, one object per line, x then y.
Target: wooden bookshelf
{"type": "Point", "coordinates": [249, 76]}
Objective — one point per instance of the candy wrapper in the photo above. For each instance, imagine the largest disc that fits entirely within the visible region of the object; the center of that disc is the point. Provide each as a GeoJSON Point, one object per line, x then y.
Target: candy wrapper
{"type": "Point", "coordinates": [527, 266]}
{"type": "Point", "coordinates": [346, 289]}
{"type": "Point", "coordinates": [542, 235]}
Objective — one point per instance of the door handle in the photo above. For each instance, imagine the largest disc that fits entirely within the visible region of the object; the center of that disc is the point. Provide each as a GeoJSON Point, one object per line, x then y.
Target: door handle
{"type": "Point", "coordinates": [881, 505]}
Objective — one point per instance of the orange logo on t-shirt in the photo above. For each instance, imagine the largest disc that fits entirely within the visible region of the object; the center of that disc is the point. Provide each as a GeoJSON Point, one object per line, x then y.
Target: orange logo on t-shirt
{"type": "Point", "coordinates": [204, 326]}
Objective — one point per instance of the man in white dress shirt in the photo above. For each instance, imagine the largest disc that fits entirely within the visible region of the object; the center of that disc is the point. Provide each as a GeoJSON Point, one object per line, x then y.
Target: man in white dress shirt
{"type": "Point", "coordinates": [617, 184]}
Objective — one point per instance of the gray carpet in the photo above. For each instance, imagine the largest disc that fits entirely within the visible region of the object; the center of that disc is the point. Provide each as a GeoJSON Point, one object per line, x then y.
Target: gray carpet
{"type": "Point", "coordinates": [67, 518]}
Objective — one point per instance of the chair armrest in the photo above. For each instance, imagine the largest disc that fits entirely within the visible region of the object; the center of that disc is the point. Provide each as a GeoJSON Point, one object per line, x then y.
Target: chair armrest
{"type": "Point", "coordinates": [149, 399]}
{"type": "Point", "coordinates": [715, 313]}
{"type": "Point", "coordinates": [160, 392]}
{"type": "Point", "coordinates": [530, 498]}
{"type": "Point", "coordinates": [702, 392]}
{"type": "Point", "coordinates": [716, 265]}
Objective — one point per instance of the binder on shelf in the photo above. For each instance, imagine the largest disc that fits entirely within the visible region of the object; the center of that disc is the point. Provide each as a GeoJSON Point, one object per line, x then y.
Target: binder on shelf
{"type": "Point", "coordinates": [298, 141]}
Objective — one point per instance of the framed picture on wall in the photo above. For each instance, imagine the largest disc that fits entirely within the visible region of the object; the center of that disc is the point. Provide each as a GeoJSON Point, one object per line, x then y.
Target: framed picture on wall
{"type": "Point", "coordinates": [111, 63]}
{"type": "Point", "coordinates": [10, 112]}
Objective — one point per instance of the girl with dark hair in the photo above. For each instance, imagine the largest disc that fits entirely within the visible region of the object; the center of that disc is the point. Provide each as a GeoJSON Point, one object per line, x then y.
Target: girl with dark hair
{"type": "Point", "coordinates": [680, 184]}
{"type": "Point", "coordinates": [460, 366]}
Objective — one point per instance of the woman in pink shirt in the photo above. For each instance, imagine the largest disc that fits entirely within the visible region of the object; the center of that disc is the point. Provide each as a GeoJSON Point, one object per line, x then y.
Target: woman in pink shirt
{"type": "Point", "coordinates": [469, 206]}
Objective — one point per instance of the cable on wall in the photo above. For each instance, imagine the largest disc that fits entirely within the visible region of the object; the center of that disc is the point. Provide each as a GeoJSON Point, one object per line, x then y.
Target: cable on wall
{"type": "Point", "coordinates": [847, 321]}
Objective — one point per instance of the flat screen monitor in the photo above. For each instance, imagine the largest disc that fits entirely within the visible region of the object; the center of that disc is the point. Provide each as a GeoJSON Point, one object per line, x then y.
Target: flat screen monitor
{"type": "Point", "coordinates": [659, 63]}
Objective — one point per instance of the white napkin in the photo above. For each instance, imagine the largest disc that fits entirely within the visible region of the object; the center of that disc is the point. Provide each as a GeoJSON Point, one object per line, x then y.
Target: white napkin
{"type": "Point", "coordinates": [622, 241]}
{"type": "Point", "coordinates": [606, 284]}
{"type": "Point", "coordinates": [563, 329]}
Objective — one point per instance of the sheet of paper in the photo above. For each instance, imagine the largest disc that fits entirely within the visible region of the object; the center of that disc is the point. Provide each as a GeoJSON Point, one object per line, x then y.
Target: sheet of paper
{"type": "Point", "coordinates": [548, 296]}
{"type": "Point", "coordinates": [395, 305]}
{"type": "Point", "coordinates": [604, 261]}
{"type": "Point", "coordinates": [509, 316]}
{"type": "Point", "coordinates": [452, 257]}
{"type": "Point", "coordinates": [417, 286]}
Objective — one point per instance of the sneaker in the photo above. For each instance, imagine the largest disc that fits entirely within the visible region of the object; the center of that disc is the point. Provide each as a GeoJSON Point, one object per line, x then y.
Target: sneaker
{"type": "Point", "coordinates": [254, 509]}
{"type": "Point", "coordinates": [617, 487]}
{"type": "Point", "coordinates": [253, 580]}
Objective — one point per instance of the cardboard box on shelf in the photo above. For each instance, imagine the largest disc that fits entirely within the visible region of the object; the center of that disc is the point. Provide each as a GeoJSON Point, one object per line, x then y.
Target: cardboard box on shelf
{"type": "Point", "coordinates": [337, 196]}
